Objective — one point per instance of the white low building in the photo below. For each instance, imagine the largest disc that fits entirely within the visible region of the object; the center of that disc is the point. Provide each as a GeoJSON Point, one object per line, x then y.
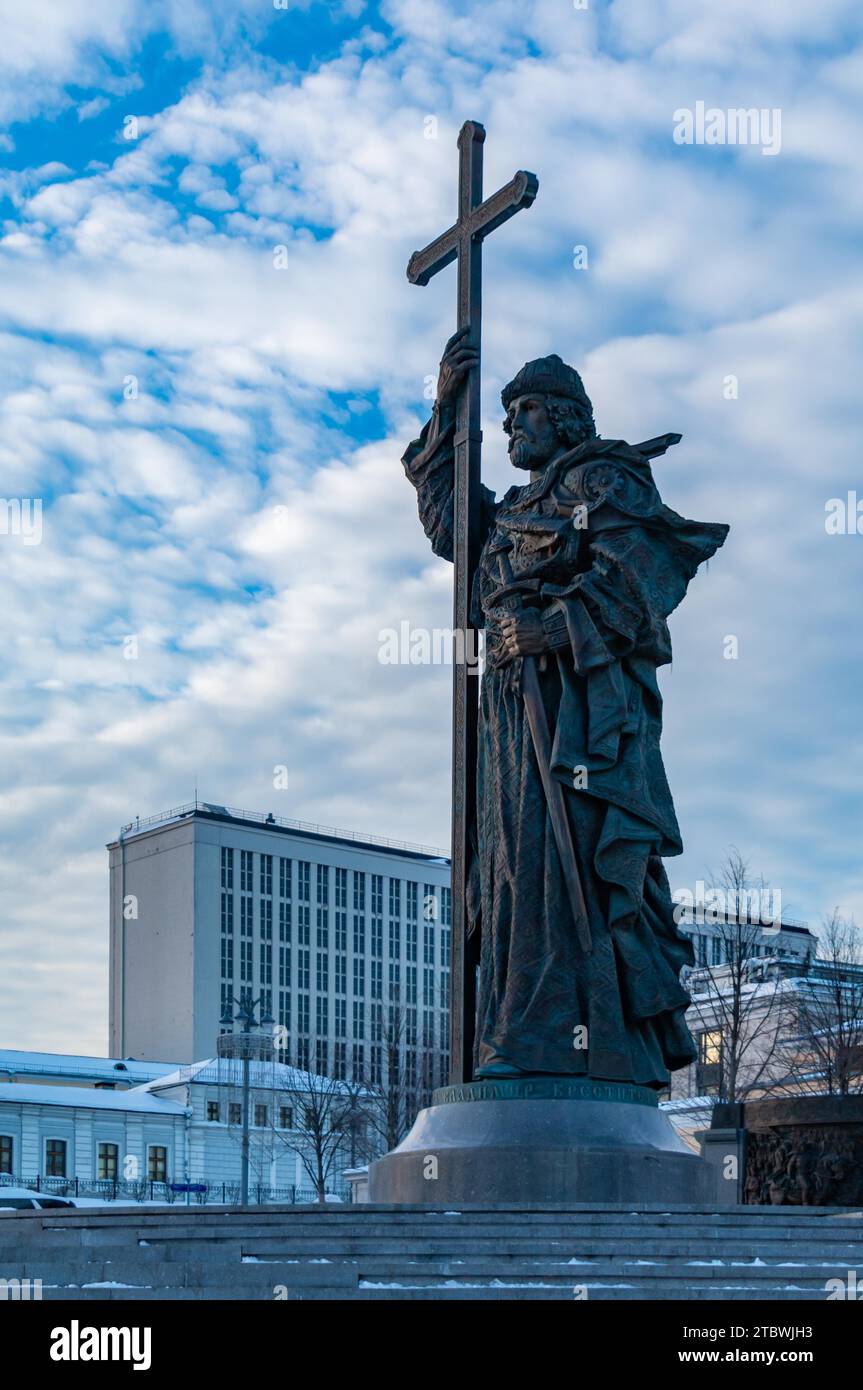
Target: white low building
{"type": "Point", "coordinates": [67, 1125]}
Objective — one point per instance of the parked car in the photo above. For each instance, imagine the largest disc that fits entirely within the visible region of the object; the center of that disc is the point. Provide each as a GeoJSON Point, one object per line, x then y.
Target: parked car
{"type": "Point", "coordinates": [25, 1199]}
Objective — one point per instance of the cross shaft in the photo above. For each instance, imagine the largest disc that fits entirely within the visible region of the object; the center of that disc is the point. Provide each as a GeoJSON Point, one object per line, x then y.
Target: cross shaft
{"type": "Point", "coordinates": [463, 241]}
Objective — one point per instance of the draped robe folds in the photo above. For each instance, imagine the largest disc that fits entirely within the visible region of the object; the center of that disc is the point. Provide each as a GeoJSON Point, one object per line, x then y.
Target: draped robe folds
{"type": "Point", "coordinates": [595, 551]}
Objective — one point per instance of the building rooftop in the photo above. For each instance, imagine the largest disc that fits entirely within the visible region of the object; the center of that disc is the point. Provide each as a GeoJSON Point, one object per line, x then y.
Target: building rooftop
{"type": "Point", "coordinates": [215, 1071]}
{"type": "Point", "coordinates": [85, 1098]}
{"type": "Point", "coordinates": [206, 810]}
{"type": "Point", "coordinates": [81, 1068]}
{"type": "Point", "coordinates": [688, 919]}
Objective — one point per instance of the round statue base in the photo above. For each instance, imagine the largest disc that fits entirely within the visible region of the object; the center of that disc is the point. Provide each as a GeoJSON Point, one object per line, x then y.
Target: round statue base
{"type": "Point", "coordinates": [543, 1139]}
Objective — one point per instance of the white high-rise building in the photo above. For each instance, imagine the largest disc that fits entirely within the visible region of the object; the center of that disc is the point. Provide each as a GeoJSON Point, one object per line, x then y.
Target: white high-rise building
{"type": "Point", "coordinates": [330, 929]}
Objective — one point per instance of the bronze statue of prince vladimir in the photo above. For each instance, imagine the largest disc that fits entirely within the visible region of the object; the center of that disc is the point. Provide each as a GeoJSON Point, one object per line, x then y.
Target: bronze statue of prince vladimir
{"type": "Point", "coordinates": [579, 570]}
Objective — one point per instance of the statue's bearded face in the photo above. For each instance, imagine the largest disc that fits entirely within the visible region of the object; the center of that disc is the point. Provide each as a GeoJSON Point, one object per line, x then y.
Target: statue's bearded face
{"type": "Point", "coordinates": [533, 438]}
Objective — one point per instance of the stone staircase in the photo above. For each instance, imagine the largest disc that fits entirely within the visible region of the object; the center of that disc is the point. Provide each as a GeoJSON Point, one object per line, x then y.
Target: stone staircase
{"type": "Point", "coordinates": [384, 1252]}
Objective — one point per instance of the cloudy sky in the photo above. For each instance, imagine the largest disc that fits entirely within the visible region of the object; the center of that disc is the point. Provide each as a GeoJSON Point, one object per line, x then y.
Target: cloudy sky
{"type": "Point", "coordinates": [214, 435]}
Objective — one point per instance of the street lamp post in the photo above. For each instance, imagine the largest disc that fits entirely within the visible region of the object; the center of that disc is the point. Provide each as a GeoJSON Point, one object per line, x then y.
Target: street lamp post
{"type": "Point", "coordinates": [250, 1041]}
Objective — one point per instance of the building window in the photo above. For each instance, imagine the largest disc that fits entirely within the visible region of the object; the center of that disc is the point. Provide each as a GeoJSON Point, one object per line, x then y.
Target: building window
{"type": "Point", "coordinates": [412, 901]}
{"type": "Point", "coordinates": [245, 871]}
{"type": "Point", "coordinates": [377, 1065]}
{"type": "Point", "coordinates": [359, 892]}
{"type": "Point", "coordinates": [285, 967]}
{"type": "Point", "coordinates": [285, 1010]}
{"type": "Point", "coordinates": [304, 873]}
{"type": "Point", "coordinates": [377, 979]}
{"type": "Point", "coordinates": [106, 1161]}
{"type": "Point", "coordinates": [284, 921]}
{"type": "Point", "coordinates": [359, 935]}
{"type": "Point", "coordinates": [716, 950]}
{"type": "Point", "coordinates": [359, 1019]}
{"type": "Point", "coordinates": [303, 1013]}
{"type": "Point", "coordinates": [395, 897]}
{"type": "Point", "coordinates": [157, 1163]}
{"type": "Point", "coordinates": [321, 1010]}
{"type": "Point", "coordinates": [341, 931]}
{"type": "Point", "coordinates": [395, 940]}
{"type": "Point", "coordinates": [303, 958]}
{"type": "Point", "coordinates": [235, 1113]}
{"type": "Point", "coordinates": [431, 910]}
{"type": "Point", "coordinates": [323, 928]}
{"type": "Point", "coordinates": [227, 870]}
{"type": "Point", "coordinates": [245, 916]}
{"type": "Point", "coordinates": [446, 907]}
{"type": "Point", "coordinates": [227, 957]}
{"type": "Point", "coordinates": [359, 974]}
{"type": "Point", "coordinates": [267, 919]}
{"type": "Point", "coordinates": [286, 1117]}
{"type": "Point", "coordinates": [445, 936]}
{"type": "Point", "coordinates": [227, 913]}
{"type": "Point", "coordinates": [377, 895]}
{"type": "Point", "coordinates": [5, 1153]}
{"type": "Point", "coordinates": [55, 1158]}
{"type": "Point", "coordinates": [709, 1068]}
{"type": "Point", "coordinates": [323, 884]}
{"type": "Point", "coordinates": [303, 1054]}
{"type": "Point", "coordinates": [340, 1061]}
{"type": "Point", "coordinates": [303, 925]}
{"type": "Point", "coordinates": [358, 1061]}
{"type": "Point", "coordinates": [266, 964]}
{"type": "Point", "coordinates": [321, 1052]}
{"type": "Point", "coordinates": [284, 878]}
{"type": "Point", "coordinates": [341, 1018]}
{"type": "Point", "coordinates": [246, 961]}
{"type": "Point", "coordinates": [411, 984]}
{"type": "Point", "coordinates": [262, 1116]}
{"type": "Point", "coordinates": [428, 987]}
{"type": "Point", "coordinates": [341, 888]}
{"type": "Point", "coordinates": [395, 979]}
{"type": "Point", "coordinates": [214, 1113]}
{"type": "Point", "coordinates": [377, 936]}
{"type": "Point", "coordinates": [266, 875]}
{"type": "Point", "coordinates": [444, 989]}
{"type": "Point", "coordinates": [412, 941]}
{"type": "Point", "coordinates": [341, 974]}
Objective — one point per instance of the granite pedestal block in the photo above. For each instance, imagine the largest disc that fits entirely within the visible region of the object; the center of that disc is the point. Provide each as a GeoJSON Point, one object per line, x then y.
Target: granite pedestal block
{"type": "Point", "coordinates": [543, 1139]}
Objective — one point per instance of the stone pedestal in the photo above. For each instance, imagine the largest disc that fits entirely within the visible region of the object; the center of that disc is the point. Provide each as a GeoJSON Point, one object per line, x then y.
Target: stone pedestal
{"type": "Point", "coordinates": [542, 1139]}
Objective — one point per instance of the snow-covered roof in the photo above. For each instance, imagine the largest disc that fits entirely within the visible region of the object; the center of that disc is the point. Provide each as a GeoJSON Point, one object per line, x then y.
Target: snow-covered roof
{"type": "Point", "coordinates": [262, 1075]}
{"type": "Point", "coordinates": [86, 1098]}
{"type": "Point", "coordinates": [13, 1062]}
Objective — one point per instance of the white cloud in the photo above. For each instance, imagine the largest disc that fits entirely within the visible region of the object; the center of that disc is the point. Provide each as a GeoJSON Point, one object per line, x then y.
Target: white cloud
{"type": "Point", "coordinates": [256, 550]}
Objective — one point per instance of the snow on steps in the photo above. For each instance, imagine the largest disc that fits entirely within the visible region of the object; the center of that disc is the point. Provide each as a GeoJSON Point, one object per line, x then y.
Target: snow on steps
{"type": "Point", "coordinates": [376, 1253]}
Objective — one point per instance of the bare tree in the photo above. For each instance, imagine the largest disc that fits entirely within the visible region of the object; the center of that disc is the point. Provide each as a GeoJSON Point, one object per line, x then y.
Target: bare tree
{"type": "Point", "coordinates": [399, 1085]}
{"type": "Point", "coordinates": [824, 1052]}
{"type": "Point", "coordinates": [739, 1005]}
{"type": "Point", "coordinates": [327, 1124]}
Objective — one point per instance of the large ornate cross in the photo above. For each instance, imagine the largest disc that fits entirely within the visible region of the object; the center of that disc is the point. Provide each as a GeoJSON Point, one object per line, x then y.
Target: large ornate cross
{"type": "Point", "coordinates": [464, 241]}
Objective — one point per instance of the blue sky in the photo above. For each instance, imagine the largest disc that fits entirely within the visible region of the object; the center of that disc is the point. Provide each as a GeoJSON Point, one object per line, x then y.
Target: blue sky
{"type": "Point", "coordinates": [216, 441]}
